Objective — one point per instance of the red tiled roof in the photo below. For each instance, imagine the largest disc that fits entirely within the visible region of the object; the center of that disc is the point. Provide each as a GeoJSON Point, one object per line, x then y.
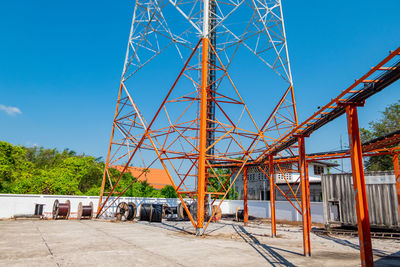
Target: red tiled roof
{"type": "Point", "coordinates": [157, 178]}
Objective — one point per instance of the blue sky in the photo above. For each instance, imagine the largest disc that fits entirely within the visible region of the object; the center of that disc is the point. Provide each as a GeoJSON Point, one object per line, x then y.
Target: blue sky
{"type": "Point", "coordinates": [61, 61]}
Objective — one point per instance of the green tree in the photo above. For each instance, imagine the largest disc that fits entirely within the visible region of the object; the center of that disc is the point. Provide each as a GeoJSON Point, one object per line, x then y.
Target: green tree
{"type": "Point", "coordinates": [47, 171]}
{"type": "Point", "coordinates": [168, 191]}
{"type": "Point", "coordinates": [12, 165]}
{"type": "Point", "coordinates": [388, 123]}
{"type": "Point", "coordinates": [144, 189]}
{"type": "Point", "coordinates": [45, 158]}
{"type": "Point", "coordinates": [72, 176]}
{"type": "Point", "coordinates": [57, 181]}
{"type": "Point", "coordinates": [38, 170]}
{"type": "Point", "coordinates": [218, 179]}
{"type": "Point", "coordinates": [86, 171]}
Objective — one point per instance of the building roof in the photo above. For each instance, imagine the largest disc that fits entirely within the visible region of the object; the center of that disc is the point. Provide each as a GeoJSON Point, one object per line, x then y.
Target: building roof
{"type": "Point", "coordinates": [157, 178]}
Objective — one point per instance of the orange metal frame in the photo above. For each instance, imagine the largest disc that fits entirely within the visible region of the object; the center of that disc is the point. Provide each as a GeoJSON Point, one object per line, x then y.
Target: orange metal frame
{"type": "Point", "coordinates": [245, 208]}
{"type": "Point", "coordinates": [305, 197]}
{"type": "Point", "coordinates": [246, 142]}
{"type": "Point", "coordinates": [272, 194]}
{"type": "Point", "coordinates": [359, 186]}
{"type": "Point", "coordinates": [260, 143]}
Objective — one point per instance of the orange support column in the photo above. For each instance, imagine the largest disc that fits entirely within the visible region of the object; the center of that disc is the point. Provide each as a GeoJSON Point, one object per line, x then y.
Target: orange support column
{"type": "Point", "coordinates": [272, 194]}
{"type": "Point", "coordinates": [397, 177]}
{"type": "Point", "coordinates": [245, 210]}
{"type": "Point", "coordinates": [305, 197]}
{"type": "Point", "coordinates": [201, 179]}
{"type": "Point", "coordinates": [359, 186]}
{"type": "Point", "coordinates": [307, 181]}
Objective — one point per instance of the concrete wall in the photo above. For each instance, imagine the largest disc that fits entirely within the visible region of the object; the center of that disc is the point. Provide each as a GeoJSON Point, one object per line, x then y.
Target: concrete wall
{"type": "Point", "coordinates": [11, 205]}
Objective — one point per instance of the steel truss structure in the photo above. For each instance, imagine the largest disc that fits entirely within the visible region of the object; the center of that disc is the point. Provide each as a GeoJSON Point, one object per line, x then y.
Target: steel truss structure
{"type": "Point", "coordinates": [203, 124]}
{"type": "Point", "coordinates": [203, 121]}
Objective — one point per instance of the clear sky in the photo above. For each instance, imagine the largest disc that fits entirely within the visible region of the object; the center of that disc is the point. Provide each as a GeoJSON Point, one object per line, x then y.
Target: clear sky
{"type": "Point", "coordinates": [61, 61]}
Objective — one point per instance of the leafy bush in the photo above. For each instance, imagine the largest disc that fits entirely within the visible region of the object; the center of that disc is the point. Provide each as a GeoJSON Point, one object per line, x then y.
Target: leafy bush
{"type": "Point", "coordinates": [38, 170]}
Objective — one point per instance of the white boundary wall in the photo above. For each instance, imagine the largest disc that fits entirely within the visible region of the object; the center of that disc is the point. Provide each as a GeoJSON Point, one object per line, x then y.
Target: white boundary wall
{"type": "Point", "coordinates": [11, 205]}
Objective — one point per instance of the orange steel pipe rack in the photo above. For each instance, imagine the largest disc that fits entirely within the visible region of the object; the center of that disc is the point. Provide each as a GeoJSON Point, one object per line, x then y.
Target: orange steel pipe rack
{"type": "Point", "coordinates": [340, 155]}
{"type": "Point", "coordinates": [359, 186]}
{"type": "Point", "coordinates": [382, 142]}
{"type": "Point", "coordinates": [318, 119]}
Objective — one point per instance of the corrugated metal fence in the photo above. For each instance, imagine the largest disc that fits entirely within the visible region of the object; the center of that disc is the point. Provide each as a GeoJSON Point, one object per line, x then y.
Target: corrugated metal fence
{"type": "Point", "coordinates": [339, 199]}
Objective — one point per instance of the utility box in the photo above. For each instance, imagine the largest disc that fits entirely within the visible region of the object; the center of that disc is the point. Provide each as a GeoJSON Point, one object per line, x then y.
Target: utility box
{"type": "Point", "coordinates": [340, 205]}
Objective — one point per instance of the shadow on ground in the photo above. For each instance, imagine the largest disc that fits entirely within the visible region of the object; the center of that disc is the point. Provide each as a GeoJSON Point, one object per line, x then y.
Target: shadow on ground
{"type": "Point", "coordinates": [347, 243]}
{"type": "Point", "coordinates": [168, 226]}
{"type": "Point", "coordinates": [179, 228]}
{"type": "Point", "coordinates": [389, 260]}
{"type": "Point", "coordinates": [269, 253]}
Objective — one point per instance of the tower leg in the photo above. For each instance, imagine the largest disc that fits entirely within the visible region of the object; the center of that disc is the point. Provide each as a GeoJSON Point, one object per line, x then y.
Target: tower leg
{"type": "Point", "coordinates": [305, 197]}
{"type": "Point", "coordinates": [272, 194]}
{"type": "Point", "coordinates": [359, 186]}
{"type": "Point", "coordinates": [201, 179]}
{"type": "Point", "coordinates": [103, 182]}
{"type": "Point", "coordinates": [245, 210]}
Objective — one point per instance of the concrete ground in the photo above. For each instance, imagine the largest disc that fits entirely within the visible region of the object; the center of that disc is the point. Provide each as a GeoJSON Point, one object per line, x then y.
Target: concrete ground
{"type": "Point", "coordinates": [105, 243]}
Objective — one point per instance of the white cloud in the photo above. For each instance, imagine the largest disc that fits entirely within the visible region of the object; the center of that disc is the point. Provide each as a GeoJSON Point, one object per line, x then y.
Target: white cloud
{"type": "Point", "coordinates": [10, 110]}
